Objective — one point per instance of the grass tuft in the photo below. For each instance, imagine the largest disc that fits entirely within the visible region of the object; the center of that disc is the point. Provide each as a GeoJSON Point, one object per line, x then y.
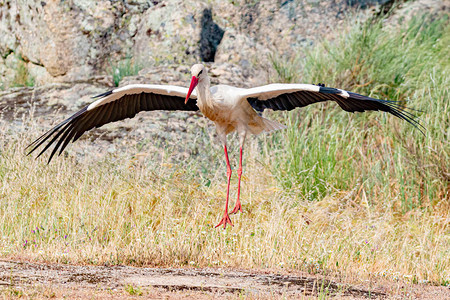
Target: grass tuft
{"type": "Point", "coordinates": [286, 68]}
{"type": "Point", "coordinates": [124, 68]}
{"type": "Point", "coordinates": [330, 150]}
{"type": "Point", "coordinates": [22, 77]}
{"type": "Point", "coordinates": [133, 291]}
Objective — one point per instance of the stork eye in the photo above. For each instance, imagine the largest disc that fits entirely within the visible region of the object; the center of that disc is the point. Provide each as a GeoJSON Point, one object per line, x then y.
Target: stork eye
{"type": "Point", "coordinates": [199, 73]}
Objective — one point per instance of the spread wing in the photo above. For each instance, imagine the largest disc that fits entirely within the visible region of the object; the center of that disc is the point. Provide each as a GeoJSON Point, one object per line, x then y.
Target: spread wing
{"type": "Point", "coordinates": [290, 96]}
{"type": "Point", "coordinates": [113, 106]}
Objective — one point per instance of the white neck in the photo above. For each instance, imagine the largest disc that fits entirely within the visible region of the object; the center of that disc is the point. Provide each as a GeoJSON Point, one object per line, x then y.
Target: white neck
{"type": "Point", "coordinates": [204, 96]}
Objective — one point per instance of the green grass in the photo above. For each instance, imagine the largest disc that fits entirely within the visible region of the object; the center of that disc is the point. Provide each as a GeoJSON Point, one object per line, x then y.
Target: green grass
{"type": "Point", "coordinates": [360, 196]}
{"type": "Point", "coordinates": [133, 291]}
{"type": "Point", "coordinates": [329, 150]}
{"type": "Point", "coordinates": [124, 68]}
{"type": "Point", "coordinates": [286, 69]}
{"type": "Point", "coordinates": [22, 76]}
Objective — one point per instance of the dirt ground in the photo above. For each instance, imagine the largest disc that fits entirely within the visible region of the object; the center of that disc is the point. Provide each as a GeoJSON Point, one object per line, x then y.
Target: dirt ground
{"type": "Point", "coordinates": [42, 281]}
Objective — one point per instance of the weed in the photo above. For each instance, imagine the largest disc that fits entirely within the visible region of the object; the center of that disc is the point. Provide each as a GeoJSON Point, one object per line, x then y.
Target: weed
{"type": "Point", "coordinates": [286, 69]}
{"type": "Point", "coordinates": [133, 291]}
{"type": "Point", "coordinates": [22, 76]}
{"type": "Point", "coordinates": [324, 292]}
{"type": "Point", "coordinates": [123, 68]}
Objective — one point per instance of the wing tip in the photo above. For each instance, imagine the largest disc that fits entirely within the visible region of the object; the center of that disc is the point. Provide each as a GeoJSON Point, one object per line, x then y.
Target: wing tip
{"type": "Point", "coordinates": [395, 108]}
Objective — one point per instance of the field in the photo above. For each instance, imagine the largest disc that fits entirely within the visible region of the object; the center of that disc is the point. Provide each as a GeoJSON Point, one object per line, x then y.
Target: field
{"type": "Point", "coordinates": [359, 197]}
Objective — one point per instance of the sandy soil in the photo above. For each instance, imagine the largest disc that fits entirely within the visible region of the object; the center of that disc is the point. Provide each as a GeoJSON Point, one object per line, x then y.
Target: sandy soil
{"type": "Point", "coordinates": [40, 281]}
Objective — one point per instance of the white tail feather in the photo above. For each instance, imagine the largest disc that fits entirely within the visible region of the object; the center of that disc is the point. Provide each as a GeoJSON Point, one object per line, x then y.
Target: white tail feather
{"type": "Point", "coordinates": [270, 125]}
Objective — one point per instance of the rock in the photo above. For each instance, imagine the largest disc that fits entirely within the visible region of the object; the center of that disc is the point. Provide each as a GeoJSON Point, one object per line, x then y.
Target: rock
{"type": "Point", "coordinates": [169, 33]}
{"type": "Point", "coordinates": [180, 75]}
{"type": "Point", "coordinates": [67, 49]}
{"type": "Point", "coordinates": [75, 40]}
{"type": "Point", "coordinates": [39, 74]}
{"type": "Point", "coordinates": [409, 10]}
{"type": "Point", "coordinates": [65, 37]}
{"type": "Point", "coordinates": [66, 41]}
{"type": "Point", "coordinates": [11, 61]}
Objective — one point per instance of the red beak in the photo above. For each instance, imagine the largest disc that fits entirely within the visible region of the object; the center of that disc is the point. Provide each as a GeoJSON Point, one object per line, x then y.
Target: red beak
{"type": "Point", "coordinates": [194, 82]}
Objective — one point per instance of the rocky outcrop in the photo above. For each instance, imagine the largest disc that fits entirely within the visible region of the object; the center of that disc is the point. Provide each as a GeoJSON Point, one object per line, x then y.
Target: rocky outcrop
{"type": "Point", "coordinates": [64, 41]}
{"type": "Point", "coordinates": [78, 41]}
{"type": "Point", "coordinates": [66, 49]}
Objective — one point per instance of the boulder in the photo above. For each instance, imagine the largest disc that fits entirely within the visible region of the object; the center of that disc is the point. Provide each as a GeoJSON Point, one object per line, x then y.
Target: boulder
{"type": "Point", "coordinates": [63, 41]}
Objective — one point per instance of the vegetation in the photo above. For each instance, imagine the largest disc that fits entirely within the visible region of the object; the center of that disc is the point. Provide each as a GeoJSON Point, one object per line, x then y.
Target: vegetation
{"type": "Point", "coordinates": [326, 147]}
{"type": "Point", "coordinates": [286, 69]}
{"type": "Point", "coordinates": [361, 196]}
{"type": "Point", "coordinates": [133, 291]}
{"type": "Point", "coordinates": [22, 76]}
{"type": "Point", "coordinates": [123, 68]}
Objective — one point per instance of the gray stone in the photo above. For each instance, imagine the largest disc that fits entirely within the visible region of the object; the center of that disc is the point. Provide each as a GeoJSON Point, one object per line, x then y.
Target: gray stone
{"type": "Point", "coordinates": [63, 41]}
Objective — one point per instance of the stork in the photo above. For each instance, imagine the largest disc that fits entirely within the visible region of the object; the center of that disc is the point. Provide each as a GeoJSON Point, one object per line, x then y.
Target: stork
{"type": "Point", "coordinates": [230, 108]}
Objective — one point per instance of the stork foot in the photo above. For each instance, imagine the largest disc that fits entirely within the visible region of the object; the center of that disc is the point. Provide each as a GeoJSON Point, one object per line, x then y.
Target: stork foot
{"type": "Point", "coordinates": [225, 220]}
{"type": "Point", "coordinates": [237, 208]}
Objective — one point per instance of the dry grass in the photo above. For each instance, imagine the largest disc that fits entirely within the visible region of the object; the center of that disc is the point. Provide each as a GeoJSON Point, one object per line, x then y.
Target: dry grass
{"type": "Point", "coordinates": [365, 198]}
{"type": "Point", "coordinates": [122, 210]}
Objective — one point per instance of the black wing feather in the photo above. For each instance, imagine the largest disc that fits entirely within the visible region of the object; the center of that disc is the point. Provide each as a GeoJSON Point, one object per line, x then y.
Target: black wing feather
{"type": "Point", "coordinates": [67, 139]}
{"type": "Point", "coordinates": [128, 106]}
{"type": "Point", "coordinates": [87, 121]}
{"type": "Point", "coordinates": [58, 133]}
{"type": "Point", "coordinates": [354, 103]}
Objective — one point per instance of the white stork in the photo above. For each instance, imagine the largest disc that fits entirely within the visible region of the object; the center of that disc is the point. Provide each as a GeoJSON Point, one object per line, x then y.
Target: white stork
{"type": "Point", "coordinates": [230, 108]}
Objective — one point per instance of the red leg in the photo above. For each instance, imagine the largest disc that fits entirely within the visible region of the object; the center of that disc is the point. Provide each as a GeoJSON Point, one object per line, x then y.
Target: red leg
{"type": "Point", "coordinates": [226, 218]}
{"type": "Point", "coordinates": [238, 206]}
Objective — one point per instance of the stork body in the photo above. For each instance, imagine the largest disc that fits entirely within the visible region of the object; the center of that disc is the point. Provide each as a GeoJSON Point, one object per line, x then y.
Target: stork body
{"type": "Point", "coordinates": [230, 108]}
{"type": "Point", "coordinates": [227, 107]}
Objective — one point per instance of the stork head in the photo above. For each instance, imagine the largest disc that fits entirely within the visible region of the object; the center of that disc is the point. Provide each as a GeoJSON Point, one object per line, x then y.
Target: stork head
{"type": "Point", "coordinates": [198, 72]}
